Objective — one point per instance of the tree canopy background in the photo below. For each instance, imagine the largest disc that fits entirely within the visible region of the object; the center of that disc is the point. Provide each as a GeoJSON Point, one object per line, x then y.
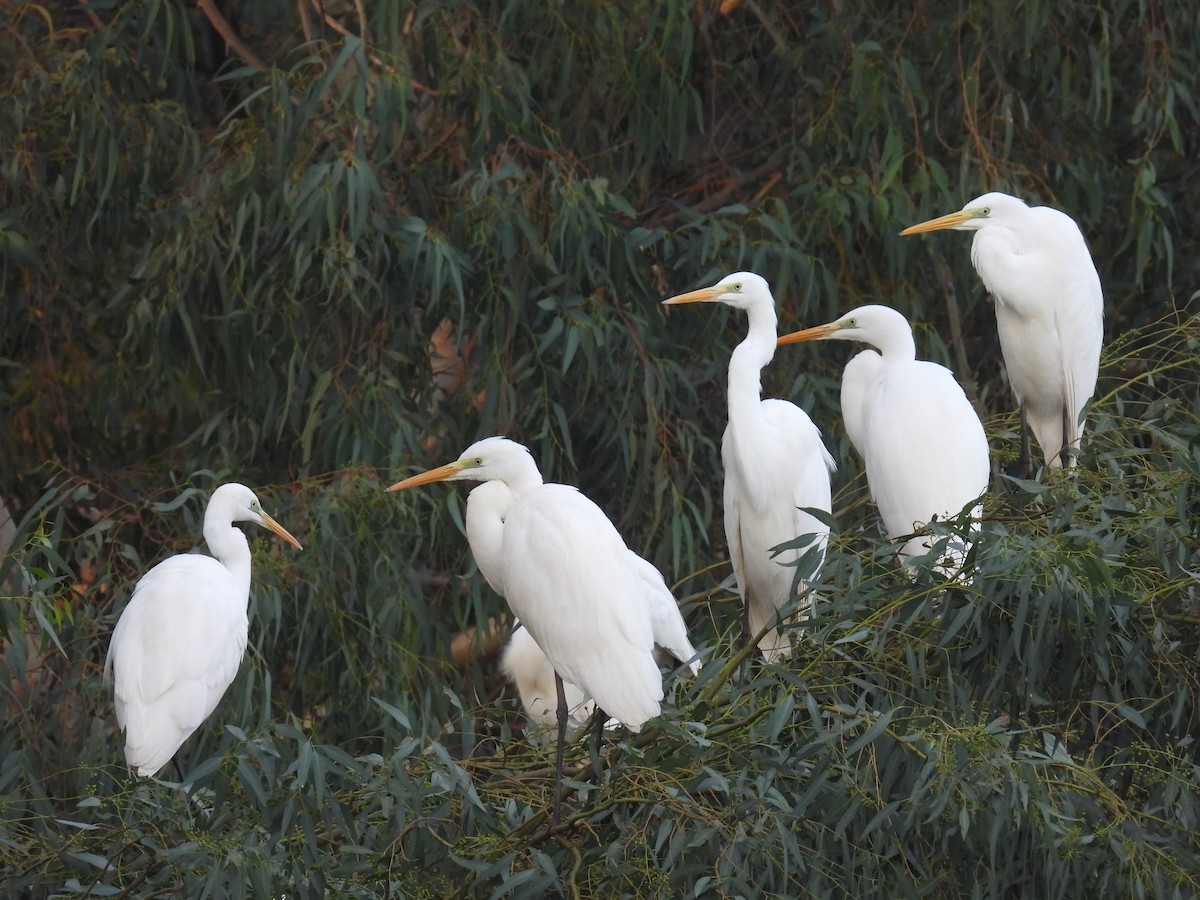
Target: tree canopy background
{"type": "Point", "coordinates": [316, 246]}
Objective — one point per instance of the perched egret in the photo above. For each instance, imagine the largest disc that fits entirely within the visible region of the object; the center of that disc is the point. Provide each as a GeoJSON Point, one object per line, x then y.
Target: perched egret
{"type": "Point", "coordinates": [567, 575]}
{"type": "Point", "coordinates": [179, 641]}
{"type": "Point", "coordinates": [1049, 312]}
{"type": "Point", "coordinates": [775, 466]}
{"type": "Point", "coordinates": [523, 661]}
{"type": "Point", "coordinates": [923, 445]}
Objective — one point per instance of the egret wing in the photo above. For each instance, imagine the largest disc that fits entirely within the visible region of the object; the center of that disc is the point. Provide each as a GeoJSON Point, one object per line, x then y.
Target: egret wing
{"type": "Point", "coordinates": [666, 623]}
{"type": "Point", "coordinates": [926, 451]}
{"type": "Point", "coordinates": [174, 652]}
{"type": "Point", "coordinates": [768, 482]}
{"type": "Point", "coordinates": [567, 576]}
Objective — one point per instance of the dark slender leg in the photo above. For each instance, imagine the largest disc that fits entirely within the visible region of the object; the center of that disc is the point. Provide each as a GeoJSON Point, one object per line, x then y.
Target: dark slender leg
{"type": "Point", "coordinates": [599, 717]}
{"type": "Point", "coordinates": [597, 738]}
{"type": "Point", "coordinates": [747, 634]}
{"type": "Point", "coordinates": [558, 751]}
{"type": "Point", "coordinates": [747, 638]}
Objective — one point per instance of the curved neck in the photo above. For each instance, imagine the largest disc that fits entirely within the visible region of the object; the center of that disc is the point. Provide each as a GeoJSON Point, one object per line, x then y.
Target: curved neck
{"type": "Point", "coordinates": [895, 344]}
{"type": "Point", "coordinates": [230, 548]}
{"type": "Point", "coordinates": [749, 357]}
{"type": "Point", "coordinates": [524, 477]}
{"type": "Point", "coordinates": [487, 506]}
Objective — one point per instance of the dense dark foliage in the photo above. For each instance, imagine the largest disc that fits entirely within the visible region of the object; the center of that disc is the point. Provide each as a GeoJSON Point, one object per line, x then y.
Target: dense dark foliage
{"type": "Point", "coordinates": [369, 234]}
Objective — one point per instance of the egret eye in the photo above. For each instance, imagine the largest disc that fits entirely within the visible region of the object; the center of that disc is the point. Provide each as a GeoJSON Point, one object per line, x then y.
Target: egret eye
{"type": "Point", "coordinates": [738, 287]}
{"type": "Point", "coordinates": [479, 460]}
{"type": "Point", "coordinates": [987, 211]}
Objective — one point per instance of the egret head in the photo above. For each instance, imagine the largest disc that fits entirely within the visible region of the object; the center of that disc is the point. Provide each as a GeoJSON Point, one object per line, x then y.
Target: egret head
{"type": "Point", "coordinates": [491, 459]}
{"type": "Point", "coordinates": [741, 290]}
{"type": "Point", "coordinates": [233, 502]}
{"type": "Point", "coordinates": [879, 326]}
{"type": "Point", "coordinates": [990, 209]}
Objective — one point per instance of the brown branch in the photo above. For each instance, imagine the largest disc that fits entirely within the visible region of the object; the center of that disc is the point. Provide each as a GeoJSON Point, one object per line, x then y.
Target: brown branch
{"type": "Point", "coordinates": [91, 15]}
{"type": "Point", "coordinates": [305, 21]}
{"type": "Point", "coordinates": [732, 186]}
{"type": "Point", "coordinates": [346, 32]}
{"type": "Point", "coordinates": [232, 41]}
{"type": "Point", "coordinates": [362, 21]}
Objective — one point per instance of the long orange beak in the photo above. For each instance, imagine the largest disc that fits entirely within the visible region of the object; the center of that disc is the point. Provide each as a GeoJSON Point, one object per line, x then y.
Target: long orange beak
{"type": "Point", "coordinates": [707, 294]}
{"type": "Point", "coordinates": [817, 333]}
{"type": "Point", "coordinates": [441, 473]}
{"type": "Point", "coordinates": [279, 530]}
{"type": "Point", "coordinates": [951, 220]}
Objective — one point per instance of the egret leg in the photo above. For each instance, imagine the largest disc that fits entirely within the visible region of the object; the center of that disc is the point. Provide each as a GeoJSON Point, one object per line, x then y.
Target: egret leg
{"type": "Point", "coordinates": [747, 637]}
{"type": "Point", "coordinates": [597, 738]}
{"type": "Point", "coordinates": [599, 718]}
{"type": "Point", "coordinates": [558, 751]}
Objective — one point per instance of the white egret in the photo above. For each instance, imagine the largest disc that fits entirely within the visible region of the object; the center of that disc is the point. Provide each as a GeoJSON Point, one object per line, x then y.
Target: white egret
{"type": "Point", "coordinates": [775, 466]}
{"type": "Point", "coordinates": [523, 661]}
{"type": "Point", "coordinates": [923, 445]}
{"type": "Point", "coordinates": [179, 642]}
{"type": "Point", "coordinates": [1049, 312]}
{"type": "Point", "coordinates": [570, 579]}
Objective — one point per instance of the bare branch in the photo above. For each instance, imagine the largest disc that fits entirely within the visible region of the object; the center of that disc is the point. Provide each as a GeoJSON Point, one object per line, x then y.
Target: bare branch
{"type": "Point", "coordinates": [232, 41]}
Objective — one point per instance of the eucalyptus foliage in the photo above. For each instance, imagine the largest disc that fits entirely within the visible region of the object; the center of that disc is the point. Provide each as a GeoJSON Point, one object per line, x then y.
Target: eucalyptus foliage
{"type": "Point", "coordinates": [364, 235]}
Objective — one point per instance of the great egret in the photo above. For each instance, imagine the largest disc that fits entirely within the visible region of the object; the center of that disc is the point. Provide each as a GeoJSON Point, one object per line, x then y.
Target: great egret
{"type": "Point", "coordinates": [568, 576]}
{"type": "Point", "coordinates": [179, 641]}
{"type": "Point", "coordinates": [1049, 312]}
{"type": "Point", "coordinates": [523, 661]}
{"type": "Point", "coordinates": [775, 466]}
{"type": "Point", "coordinates": [923, 445]}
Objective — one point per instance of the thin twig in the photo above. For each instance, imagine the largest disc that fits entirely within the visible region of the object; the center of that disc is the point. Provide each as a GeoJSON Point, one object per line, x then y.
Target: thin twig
{"type": "Point", "coordinates": [232, 41]}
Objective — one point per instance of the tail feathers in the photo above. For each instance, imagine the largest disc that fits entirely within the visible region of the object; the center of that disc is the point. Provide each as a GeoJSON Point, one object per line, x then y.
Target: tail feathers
{"type": "Point", "coordinates": [154, 732]}
{"type": "Point", "coordinates": [631, 692]}
{"type": "Point", "coordinates": [666, 624]}
{"type": "Point", "coordinates": [671, 635]}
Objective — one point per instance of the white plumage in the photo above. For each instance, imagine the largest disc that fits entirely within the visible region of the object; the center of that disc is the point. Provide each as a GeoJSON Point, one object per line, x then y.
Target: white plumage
{"type": "Point", "coordinates": [775, 465]}
{"type": "Point", "coordinates": [1049, 310]}
{"type": "Point", "coordinates": [922, 443]}
{"type": "Point", "coordinates": [179, 642]}
{"type": "Point", "coordinates": [568, 578]}
{"type": "Point", "coordinates": [591, 605]}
